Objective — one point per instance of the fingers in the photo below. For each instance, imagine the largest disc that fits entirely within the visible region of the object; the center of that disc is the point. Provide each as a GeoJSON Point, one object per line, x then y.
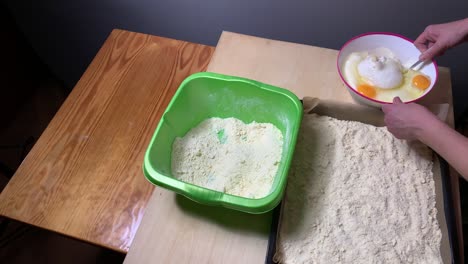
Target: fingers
{"type": "Point", "coordinates": [386, 108]}
{"type": "Point", "coordinates": [395, 132]}
{"type": "Point", "coordinates": [397, 100]}
{"type": "Point", "coordinates": [421, 41]}
{"type": "Point", "coordinates": [433, 51]}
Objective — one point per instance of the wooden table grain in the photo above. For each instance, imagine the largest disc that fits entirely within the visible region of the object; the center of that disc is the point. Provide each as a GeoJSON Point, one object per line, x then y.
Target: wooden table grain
{"type": "Point", "coordinates": [311, 71]}
{"type": "Point", "coordinates": [83, 178]}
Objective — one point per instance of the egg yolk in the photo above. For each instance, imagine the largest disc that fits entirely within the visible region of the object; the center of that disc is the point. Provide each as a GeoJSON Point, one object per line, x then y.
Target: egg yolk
{"type": "Point", "coordinates": [421, 82]}
{"type": "Point", "coordinates": [367, 90]}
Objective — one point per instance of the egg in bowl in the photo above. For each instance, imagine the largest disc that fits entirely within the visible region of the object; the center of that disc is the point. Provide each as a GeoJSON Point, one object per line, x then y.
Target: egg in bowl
{"type": "Point", "coordinates": [378, 74]}
{"type": "Point", "coordinates": [391, 46]}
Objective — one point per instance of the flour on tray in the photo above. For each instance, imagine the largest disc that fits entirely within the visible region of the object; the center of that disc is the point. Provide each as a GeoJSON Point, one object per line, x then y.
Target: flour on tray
{"type": "Point", "coordinates": [229, 156]}
{"type": "Point", "coordinates": [356, 194]}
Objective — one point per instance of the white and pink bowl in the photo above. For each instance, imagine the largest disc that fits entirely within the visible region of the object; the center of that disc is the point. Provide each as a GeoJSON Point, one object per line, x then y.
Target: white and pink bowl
{"type": "Point", "coordinates": [402, 47]}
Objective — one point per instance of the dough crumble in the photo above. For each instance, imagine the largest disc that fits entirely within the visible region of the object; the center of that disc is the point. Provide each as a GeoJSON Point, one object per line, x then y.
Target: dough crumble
{"type": "Point", "coordinates": [229, 156]}
{"type": "Point", "coordinates": [356, 194]}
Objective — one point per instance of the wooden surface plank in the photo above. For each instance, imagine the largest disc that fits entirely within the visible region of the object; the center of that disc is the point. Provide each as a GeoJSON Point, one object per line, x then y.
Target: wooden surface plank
{"type": "Point", "coordinates": [310, 71]}
{"type": "Point", "coordinates": [302, 69]}
{"type": "Point", "coordinates": [83, 178]}
{"type": "Point", "coordinates": [178, 230]}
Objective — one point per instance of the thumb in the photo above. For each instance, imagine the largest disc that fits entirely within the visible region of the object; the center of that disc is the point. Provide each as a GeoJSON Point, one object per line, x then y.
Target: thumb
{"type": "Point", "coordinates": [397, 100]}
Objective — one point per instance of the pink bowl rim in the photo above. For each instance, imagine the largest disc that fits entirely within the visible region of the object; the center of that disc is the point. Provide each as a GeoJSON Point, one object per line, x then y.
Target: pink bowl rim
{"type": "Point", "coordinates": [387, 34]}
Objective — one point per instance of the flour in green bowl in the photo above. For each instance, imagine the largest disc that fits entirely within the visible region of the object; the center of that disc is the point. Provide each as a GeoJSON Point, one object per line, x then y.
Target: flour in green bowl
{"type": "Point", "coordinates": [229, 156]}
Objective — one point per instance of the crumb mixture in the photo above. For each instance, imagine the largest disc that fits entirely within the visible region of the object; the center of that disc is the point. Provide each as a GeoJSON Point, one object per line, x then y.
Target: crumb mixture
{"type": "Point", "coordinates": [356, 194]}
{"type": "Point", "coordinates": [229, 156]}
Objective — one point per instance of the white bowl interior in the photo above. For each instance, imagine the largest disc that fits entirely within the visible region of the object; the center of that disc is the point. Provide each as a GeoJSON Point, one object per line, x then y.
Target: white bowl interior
{"type": "Point", "coordinates": [403, 49]}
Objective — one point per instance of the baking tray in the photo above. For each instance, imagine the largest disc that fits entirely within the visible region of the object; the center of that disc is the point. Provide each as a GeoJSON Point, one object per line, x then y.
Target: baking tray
{"type": "Point", "coordinates": [446, 200]}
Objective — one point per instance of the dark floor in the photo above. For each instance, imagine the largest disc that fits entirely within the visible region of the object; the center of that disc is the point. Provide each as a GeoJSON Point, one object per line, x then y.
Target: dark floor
{"type": "Point", "coordinates": [23, 244]}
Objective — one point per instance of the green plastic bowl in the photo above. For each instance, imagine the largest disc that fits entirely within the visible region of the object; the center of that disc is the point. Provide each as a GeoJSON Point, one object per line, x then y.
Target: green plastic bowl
{"type": "Point", "coordinates": [205, 95]}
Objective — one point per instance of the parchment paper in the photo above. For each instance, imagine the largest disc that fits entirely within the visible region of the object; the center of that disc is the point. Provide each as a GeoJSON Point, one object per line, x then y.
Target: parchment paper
{"type": "Point", "coordinates": [374, 116]}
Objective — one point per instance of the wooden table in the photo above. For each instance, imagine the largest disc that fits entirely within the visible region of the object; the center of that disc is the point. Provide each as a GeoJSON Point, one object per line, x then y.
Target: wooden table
{"type": "Point", "coordinates": [176, 230]}
{"type": "Point", "coordinates": [83, 178]}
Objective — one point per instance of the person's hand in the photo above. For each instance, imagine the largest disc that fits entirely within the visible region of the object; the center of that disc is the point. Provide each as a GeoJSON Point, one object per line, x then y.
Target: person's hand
{"type": "Point", "coordinates": [436, 39]}
{"type": "Point", "coordinates": [407, 121]}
